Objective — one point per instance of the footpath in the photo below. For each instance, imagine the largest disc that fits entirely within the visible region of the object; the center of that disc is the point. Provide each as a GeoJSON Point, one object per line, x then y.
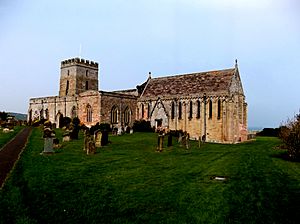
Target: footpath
{"type": "Point", "coordinates": [10, 152]}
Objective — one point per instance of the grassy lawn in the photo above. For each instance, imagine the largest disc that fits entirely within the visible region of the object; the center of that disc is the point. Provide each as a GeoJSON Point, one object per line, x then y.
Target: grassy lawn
{"type": "Point", "coordinates": [6, 137]}
{"type": "Point", "coordinates": [128, 182]}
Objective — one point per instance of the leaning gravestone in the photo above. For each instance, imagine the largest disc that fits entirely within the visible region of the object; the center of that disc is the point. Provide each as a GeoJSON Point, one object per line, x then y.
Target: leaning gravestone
{"type": "Point", "coordinates": [91, 148]}
{"type": "Point", "coordinates": [98, 138]}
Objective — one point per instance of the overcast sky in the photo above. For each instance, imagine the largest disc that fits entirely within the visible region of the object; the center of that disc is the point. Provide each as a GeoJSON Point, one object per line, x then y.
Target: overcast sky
{"type": "Point", "coordinates": [130, 38]}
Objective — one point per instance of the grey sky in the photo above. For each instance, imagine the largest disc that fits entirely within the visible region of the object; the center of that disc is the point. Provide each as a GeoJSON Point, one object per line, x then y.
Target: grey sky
{"type": "Point", "coordinates": [130, 38]}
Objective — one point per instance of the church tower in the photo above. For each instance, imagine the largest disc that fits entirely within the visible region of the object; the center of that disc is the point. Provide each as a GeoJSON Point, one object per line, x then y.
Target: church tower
{"type": "Point", "coordinates": [77, 76]}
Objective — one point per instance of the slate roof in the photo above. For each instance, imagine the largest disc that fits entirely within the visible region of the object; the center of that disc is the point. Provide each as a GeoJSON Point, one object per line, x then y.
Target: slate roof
{"type": "Point", "coordinates": [211, 83]}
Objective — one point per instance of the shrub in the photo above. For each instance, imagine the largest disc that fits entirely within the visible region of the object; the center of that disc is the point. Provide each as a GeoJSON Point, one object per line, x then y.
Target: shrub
{"type": "Point", "coordinates": [271, 132]}
{"type": "Point", "coordinates": [290, 135]}
{"type": "Point", "coordinates": [142, 126]}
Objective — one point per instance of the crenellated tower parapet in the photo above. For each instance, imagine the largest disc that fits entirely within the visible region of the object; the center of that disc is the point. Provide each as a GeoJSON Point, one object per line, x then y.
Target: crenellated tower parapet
{"type": "Point", "coordinates": [79, 61]}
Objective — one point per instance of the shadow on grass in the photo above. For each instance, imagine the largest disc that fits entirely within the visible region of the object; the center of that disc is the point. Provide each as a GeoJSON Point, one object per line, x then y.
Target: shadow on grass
{"type": "Point", "coordinates": [285, 156]}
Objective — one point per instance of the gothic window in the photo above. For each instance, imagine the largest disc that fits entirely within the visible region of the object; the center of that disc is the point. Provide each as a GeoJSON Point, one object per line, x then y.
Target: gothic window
{"type": "Point", "coordinates": [67, 87]}
{"type": "Point", "coordinates": [86, 85]}
{"type": "Point", "coordinates": [127, 115]}
{"type": "Point", "coordinates": [68, 72]}
{"type": "Point", "coordinates": [191, 110]}
{"type": "Point", "coordinates": [198, 108]}
{"type": "Point", "coordinates": [89, 113]}
{"type": "Point", "coordinates": [114, 115]}
{"type": "Point", "coordinates": [74, 112]}
{"type": "Point", "coordinates": [47, 114]}
{"type": "Point", "coordinates": [172, 110]}
{"type": "Point", "coordinates": [142, 110]}
{"type": "Point", "coordinates": [86, 73]}
{"type": "Point", "coordinates": [210, 109]}
{"type": "Point", "coordinates": [179, 110]}
{"type": "Point", "coordinates": [148, 111]}
{"type": "Point", "coordinates": [219, 109]}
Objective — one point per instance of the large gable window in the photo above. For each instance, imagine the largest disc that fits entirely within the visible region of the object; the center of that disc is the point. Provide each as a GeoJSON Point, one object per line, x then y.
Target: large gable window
{"type": "Point", "coordinates": [89, 113]}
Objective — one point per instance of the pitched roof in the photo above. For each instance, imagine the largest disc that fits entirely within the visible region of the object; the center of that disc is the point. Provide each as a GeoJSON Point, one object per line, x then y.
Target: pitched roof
{"type": "Point", "coordinates": [211, 82]}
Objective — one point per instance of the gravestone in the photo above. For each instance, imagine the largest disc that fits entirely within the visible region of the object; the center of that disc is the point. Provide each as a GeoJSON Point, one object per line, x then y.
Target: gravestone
{"type": "Point", "coordinates": [104, 139]}
{"type": "Point", "coordinates": [91, 148]}
{"type": "Point", "coordinates": [131, 131]}
{"type": "Point", "coordinates": [98, 138]}
{"type": "Point", "coordinates": [160, 141]}
{"type": "Point", "coordinates": [187, 140]}
{"type": "Point", "coordinates": [48, 146]}
{"type": "Point", "coordinates": [86, 139]}
{"type": "Point", "coordinates": [180, 138]}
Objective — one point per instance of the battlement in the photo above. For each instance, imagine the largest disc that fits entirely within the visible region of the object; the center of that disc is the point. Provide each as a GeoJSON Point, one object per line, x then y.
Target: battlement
{"type": "Point", "coordinates": [79, 61]}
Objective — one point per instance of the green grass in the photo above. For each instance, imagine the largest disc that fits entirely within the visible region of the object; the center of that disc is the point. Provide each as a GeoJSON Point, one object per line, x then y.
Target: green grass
{"type": "Point", "coordinates": [6, 137]}
{"type": "Point", "coordinates": [128, 182]}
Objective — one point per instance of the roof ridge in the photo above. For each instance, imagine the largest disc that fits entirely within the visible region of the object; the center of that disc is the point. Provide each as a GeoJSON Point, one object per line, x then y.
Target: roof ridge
{"type": "Point", "coordinates": [193, 73]}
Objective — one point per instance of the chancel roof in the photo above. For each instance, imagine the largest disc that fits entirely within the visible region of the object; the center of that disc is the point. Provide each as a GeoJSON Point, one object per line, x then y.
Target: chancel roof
{"type": "Point", "coordinates": [211, 83]}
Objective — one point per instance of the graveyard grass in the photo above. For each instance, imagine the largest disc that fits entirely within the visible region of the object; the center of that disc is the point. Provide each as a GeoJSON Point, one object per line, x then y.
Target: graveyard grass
{"type": "Point", "coordinates": [128, 182]}
{"type": "Point", "coordinates": [6, 137]}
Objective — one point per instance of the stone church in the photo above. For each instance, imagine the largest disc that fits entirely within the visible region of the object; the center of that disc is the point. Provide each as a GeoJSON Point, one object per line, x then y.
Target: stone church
{"type": "Point", "coordinates": [208, 105]}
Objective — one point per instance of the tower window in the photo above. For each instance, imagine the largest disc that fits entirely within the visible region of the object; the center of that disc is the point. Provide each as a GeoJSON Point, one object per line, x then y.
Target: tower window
{"type": "Point", "coordinates": [210, 109]}
{"type": "Point", "coordinates": [67, 87]}
{"type": "Point", "coordinates": [86, 85]}
{"type": "Point", "coordinates": [68, 72]}
{"type": "Point", "coordinates": [86, 73]}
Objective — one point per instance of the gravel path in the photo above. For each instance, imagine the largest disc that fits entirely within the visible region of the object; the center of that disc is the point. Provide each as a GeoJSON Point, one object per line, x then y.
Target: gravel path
{"type": "Point", "coordinates": [10, 152]}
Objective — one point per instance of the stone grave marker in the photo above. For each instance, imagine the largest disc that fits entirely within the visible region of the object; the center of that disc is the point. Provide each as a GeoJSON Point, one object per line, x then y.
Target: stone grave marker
{"type": "Point", "coordinates": [98, 138]}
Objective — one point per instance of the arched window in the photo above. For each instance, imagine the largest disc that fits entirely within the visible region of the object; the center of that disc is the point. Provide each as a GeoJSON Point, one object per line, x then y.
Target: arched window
{"type": "Point", "coordinates": [148, 110]}
{"type": "Point", "coordinates": [210, 109]}
{"type": "Point", "coordinates": [127, 116]}
{"type": "Point", "coordinates": [219, 108]}
{"type": "Point", "coordinates": [114, 115]}
{"type": "Point", "coordinates": [89, 113]}
{"type": "Point", "coordinates": [67, 87]}
{"type": "Point", "coordinates": [191, 110]}
{"type": "Point", "coordinates": [86, 85]}
{"type": "Point", "coordinates": [179, 110]}
{"type": "Point", "coordinates": [142, 110]}
{"type": "Point", "coordinates": [172, 110]}
{"type": "Point", "coordinates": [74, 112]}
{"type": "Point", "coordinates": [198, 108]}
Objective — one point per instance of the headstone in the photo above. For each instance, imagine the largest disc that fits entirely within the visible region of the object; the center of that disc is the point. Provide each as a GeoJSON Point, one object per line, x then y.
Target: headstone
{"type": "Point", "coordinates": [98, 138]}
{"type": "Point", "coordinates": [160, 141]}
{"type": "Point", "coordinates": [131, 131]}
{"type": "Point", "coordinates": [180, 138]}
{"type": "Point", "coordinates": [56, 143]}
{"type": "Point", "coordinates": [86, 139]}
{"type": "Point", "coordinates": [48, 146]}
{"type": "Point", "coordinates": [120, 131]}
{"type": "Point", "coordinates": [91, 148]}
{"type": "Point", "coordinates": [104, 139]}
{"type": "Point", "coordinates": [187, 140]}
{"type": "Point", "coordinates": [66, 138]}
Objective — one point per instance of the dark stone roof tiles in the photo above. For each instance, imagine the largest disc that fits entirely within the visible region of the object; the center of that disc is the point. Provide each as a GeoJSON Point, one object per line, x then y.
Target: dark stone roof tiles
{"type": "Point", "coordinates": [211, 82]}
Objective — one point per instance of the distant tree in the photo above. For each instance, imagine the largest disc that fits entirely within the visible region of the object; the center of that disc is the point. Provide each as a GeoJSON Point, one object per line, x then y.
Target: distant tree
{"type": "Point", "coordinates": [3, 116]}
{"type": "Point", "coordinates": [290, 135]}
{"type": "Point", "coordinates": [271, 132]}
